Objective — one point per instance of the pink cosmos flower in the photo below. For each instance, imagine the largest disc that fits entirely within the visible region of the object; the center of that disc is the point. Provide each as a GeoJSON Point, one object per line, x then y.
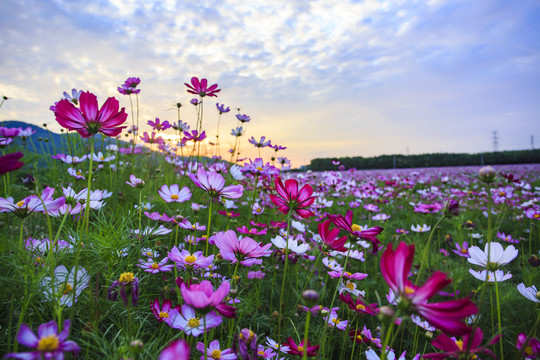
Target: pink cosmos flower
{"type": "Point", "coordinates": [262, 143]}
{"type": "Point", "coordinates": [177, 350]}
{"type": "Point", "coordinates": [188, 321]}
{"type": "Point", "coordinates": [201, 88]}
{"type": "Point", "coordinates": [447, 316]}
{"type": "Point", "coordinates": [507, 238]}
{"type": "Point", "coordinates": [533, 213]}
{"type": "Point", "coordinates": [295, 349]}
{"type": "Point", "coordinates": [158, 125]}
{"type": "Point", "coordinates": [214, 184]}
{"type": "Point", "coordinates": [462, 250]}
{"type": "Point", "coordinates": [49, 344]}
{"type": "Point", "coordinates": [135, 182]}
{"type": "Point", "coordinates": [10, 162]}
{"type": "Point", "coordinates": [174, 194]}
{"type": "Point", "coordinates": [501, 194]}
{"type": "Point", "coordinates": [333, 321]}
{"type": "Point", "coordinates": [246, 250]}
{"type": "Point", "coordinates": [203, 297]}
{"type": "Point", "coordinates": [32, 204]}
{"type": "Point", "coordinates": [189, 226]}
{"type": "Point", "coordinates": [455, 349]}
{"type": "Point", "coordinates": [359, 306]}
{"type": "Point", "coordinates": [214, 352]}
{"type": "Point", "coordinates": [254, 231]}
{"type": "Point", "coordinates": [88, 120]}
{"type": "Point", "coordinates": [162, 314]}
{"type": "Point", "coordinates": [152, 139]}
{"type": "Point", "coordinates": [129, 86]}
{"type": "Point", "coordinates": [290, 198]}
{"type": "Point", "coordinates": [158, 217]}
{"type": "Point", "coordinates": [153, 267]}
{"type": "Point", "coordinates": [345, 223]}
{"type": "Point", "coordinates": [222, 109]}
{"type": "Point", "coordinates": [531, 350]}
{"type": "Point", "coordinates": [187, 260]}
{"type": "Point", "coordinates": [347, 275]}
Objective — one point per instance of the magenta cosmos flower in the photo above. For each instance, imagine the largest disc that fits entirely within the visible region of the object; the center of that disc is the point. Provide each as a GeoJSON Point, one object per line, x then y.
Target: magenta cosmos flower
{"type": "Point", "coordinates": [130, 86]}
{"type": "Point", "coordinates": [447, 316]}
{"type": "Point", "coordinates": [290, 198]}
{"type": "Point", "coordinates": [214, 184]}
{"type": "Point", "coordinates": [295, 349]}
{"type": "Point", "coordinates": [329, 237]}
{"type": "Point", "coordinates": [49, 344]}
{"type": "Point", "coordinates": [203, 297]}
{"type": "Point", "coordinates": [88, 120]}
{"type": "Point", "coordinates": [201, 88]}
{"type": "Point", "coordinates": [10, 162]}
{"type": "Point", "coordinates": [345, 223]}
{"type": "Point", "coordinates": [245, 250]}
{"type": "Point", "coordinates": [177, 350]}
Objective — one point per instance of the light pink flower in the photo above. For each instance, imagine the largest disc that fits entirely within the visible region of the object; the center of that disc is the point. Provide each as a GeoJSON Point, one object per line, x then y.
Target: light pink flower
{"type": "Point", "coordinates": [174, 194]}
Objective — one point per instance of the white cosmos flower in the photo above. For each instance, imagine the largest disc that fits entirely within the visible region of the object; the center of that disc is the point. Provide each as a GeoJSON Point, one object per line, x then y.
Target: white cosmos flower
{"type": "Point", "coordinates": [528, 292]}
{"type": "Point", "coordinates": [498, 275]}
{"type": "Point", "coordinates": [497, 255]}
{"type": "Point", "coordinates": [290, 244]}
{"type": "Point", "coordinates": [420, 228]}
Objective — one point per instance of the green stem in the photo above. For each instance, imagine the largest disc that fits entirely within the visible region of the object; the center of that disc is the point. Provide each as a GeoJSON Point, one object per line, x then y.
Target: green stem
{"type": "Point", "coordinates": [499, 317]}
{"type": "Point", "coordinates": [208, 227]}
{"type": "Point", "coordinates": [426, 250]}
{"type": "Point", "coordinates": [306, 331]}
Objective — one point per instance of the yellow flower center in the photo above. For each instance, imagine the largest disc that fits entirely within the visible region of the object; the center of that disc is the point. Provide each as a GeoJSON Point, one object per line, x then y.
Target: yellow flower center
{"type": "Point", "coordinates": [301, 349]}
{"type": "Point", "coordinates": [536, 216]}
{"type": "Point", "coordinates": [20, 203]}
{"type": "Point", "coordinates": [336, 321]}
{"type": "Point", "coordinates": [149, 253]}
{"type": "Point", "coordinates": [528, 350]}
{"type": "Point", "coordinates": [155, 266]}
{"type": "Point", "coordinates": [190, 259]}
{"type": "Point", "coordinates": [229, 214]}
{"type": "Point", "coordinates": [174, 197]}
{"type": "Point", "coordinates": [251, 334]}
{"type": "Point", "coordinates": [348, 273]}
{"type": "Point", "coordinates": [163, 314]}
{"type": "Point", "coordinates": [356, 227]}
{"type": "Point", "coordinates": [359, 337]}
{"type": "Point", "coordinates": [260, 353]}
{"type": "Point", "coordinates": [216, 354]}
{"type": "Point", "coordinates": [101, 158]}
{"type": "Point", "coordinates": [259, 210]}
{"type": "Point", "coordinates": [408, 290]}
{"type": "Point", "coordinates": [351, 286]}
{"type": "Point", "coordinates": [194, 322]}
{"type": "Point", "coordinates": [420, 228]}
{"type": "Point", "coordinates": [463, 251]}
{"type": "Point", "coordinates": [501, 193]}
{"type": "Point", "coordinates": [459, 344]}
{"type": "Point", "coordinates": [48, 343]}
{"type": "Point", "coordinates": [126, 278]}
{"type": "Point", "coordinates": [193, 226]}
{"type": "Point", "coordinates": [259, 168]}
{"type": "Point", "coordinates": [469, 222]}
{"type": "Point", "coordinates": [79, 173]}
{"type": "Point", "coordinates": [360, 307]}
{"type": "Point", "coordinates": [38, 259]}
{"type": "Point", "coordinates": [67, 289]}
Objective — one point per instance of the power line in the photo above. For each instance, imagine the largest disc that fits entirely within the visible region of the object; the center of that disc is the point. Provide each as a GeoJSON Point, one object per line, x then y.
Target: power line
{"type": "Point", "coordinates": [495, 142]}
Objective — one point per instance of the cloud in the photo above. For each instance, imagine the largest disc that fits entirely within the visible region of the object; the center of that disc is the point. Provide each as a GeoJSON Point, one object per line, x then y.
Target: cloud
{"type": "Point", "coordinates": [373, 76]}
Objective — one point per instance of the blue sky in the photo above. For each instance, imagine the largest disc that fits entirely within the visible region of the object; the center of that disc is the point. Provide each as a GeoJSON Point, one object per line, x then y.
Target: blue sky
{"type": "Point", "coordinates": [325, 78]}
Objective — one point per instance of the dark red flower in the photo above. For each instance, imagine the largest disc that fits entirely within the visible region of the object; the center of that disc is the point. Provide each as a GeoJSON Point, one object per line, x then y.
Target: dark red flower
{"type": "Point", "coordinates": [299, 349]}
{"type": "Point", "coordinates": [359, 306]}
{"type": "Point", "coordinates": [455, 349]}
{"type": "Point", "coordinates": [10, 162]}
{"type": "Point", "coordinates": [289, 198]}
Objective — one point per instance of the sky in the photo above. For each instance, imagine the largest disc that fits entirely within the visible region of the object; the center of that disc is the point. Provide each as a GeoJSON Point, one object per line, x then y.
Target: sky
{"type": "Point", "coordinates": [325, 78]}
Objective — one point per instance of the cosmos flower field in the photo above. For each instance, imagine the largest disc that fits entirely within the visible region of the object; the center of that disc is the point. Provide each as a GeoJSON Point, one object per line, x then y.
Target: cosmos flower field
{"type": "Point", "coordinates": [157, 249]}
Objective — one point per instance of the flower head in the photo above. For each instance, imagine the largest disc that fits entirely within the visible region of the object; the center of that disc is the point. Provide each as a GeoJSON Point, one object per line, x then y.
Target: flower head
{"type": "Point", "coordinates": [454, 348]}
{"type": "Point", "coordinates": [214, 184]}
{"type": "Point", "coordinates": [129, 285]}
{"type": "Point", "coordinates": [10, 162]}
{"type": "Point", "coordinates": [493, 255]}
{"type": "Point", "coordinates": [289, 198]}
{"type": "Point", "coordinates": [174, 194]}
{"type": "Point", "coordinates": [129, 86]}
{"type": "Point", "coordinates": [88, 120]}
{"type": "Point", "coordinates": [49, 344]}
{"type": "Point", "coordinates": [345, 223]}
{"type": "Point", "coordinates": [201, 88]}
{"type": "Point", "coordinates": [447, 316]}
{"type": "Point", "coordinates": [245, 250]}
{"type": "Point", "coordinates": [177, 350]}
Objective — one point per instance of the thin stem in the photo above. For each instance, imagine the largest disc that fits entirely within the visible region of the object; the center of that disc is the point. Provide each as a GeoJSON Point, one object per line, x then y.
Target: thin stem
{"type": "Point", "coordinates": [426, 250]}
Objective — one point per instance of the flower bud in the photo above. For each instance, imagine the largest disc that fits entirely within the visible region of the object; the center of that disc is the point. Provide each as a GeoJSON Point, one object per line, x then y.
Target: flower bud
{"type": "Point", "coordinates": [487, 174]}
{"type": "Point", "coordinates": [451, 208]}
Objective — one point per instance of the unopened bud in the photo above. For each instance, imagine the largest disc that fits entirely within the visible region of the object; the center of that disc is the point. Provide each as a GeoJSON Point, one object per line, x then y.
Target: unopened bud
{"type": "Point", "coordinates": [429, 334]}
{"type": "Point", "coordinates": [137, 344]}
{"type": "Point", "coordinates": [386, 313]}
{"type": "Point", "coordinates": [487, 174]}
{"type": "Point", "coordinates": [310, 295]}
{"type": "Point", "coordinates": [451, 208]}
